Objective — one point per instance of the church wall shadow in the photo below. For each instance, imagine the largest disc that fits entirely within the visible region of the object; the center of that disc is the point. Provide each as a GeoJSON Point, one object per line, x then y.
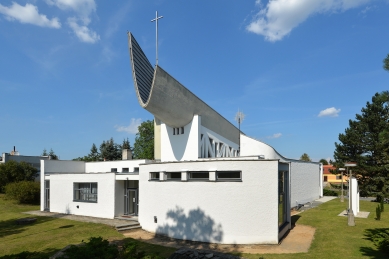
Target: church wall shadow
{"type": "Point", "coordinates": [195, 226]}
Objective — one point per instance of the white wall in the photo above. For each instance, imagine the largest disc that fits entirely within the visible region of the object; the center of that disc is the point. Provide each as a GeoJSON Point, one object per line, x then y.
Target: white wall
{"type": "Point", "coordinates": [182, 146]}
{"type": "Point", "coordinates": [306, 182]}
{"type": "Point", "coordinates": [61, 192]}
{"type": "Point", "coordinates": [221, 212]}
{"type": "Point", "coordinates": [105, 166]}
{"type": "Point", "coordinates": [253, 147]}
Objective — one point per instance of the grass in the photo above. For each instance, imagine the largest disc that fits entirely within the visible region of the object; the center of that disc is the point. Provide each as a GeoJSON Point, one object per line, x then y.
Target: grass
{"type": "Point", "coordinates": [333, 238]}
{"type": "Point", "coordinates": [49, 235]}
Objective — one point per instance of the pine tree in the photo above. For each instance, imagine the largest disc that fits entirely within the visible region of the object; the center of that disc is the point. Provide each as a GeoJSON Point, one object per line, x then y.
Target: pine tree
{"type": "Point", "coordinates": [364, 143]}
{"type": "Point", "coordinates": [94, 154]}
{"type": "Point", "coordinates": [305, 157]}
{"type": "Point", "coordinates": [126, 144]}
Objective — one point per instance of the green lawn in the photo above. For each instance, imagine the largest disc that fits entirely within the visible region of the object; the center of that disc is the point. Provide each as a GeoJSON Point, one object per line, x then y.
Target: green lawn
{"type": "Point", "coordinates": [49, 235]}
{"type": "Point", "coordinates": [333, 238]}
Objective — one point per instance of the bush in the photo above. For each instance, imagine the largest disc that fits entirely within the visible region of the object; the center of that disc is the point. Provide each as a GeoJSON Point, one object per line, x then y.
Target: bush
{"type": "Point", "coordinates": [381, 240]}
{"type": "Point", "coordinates": [378, 212]}
{"type": "Point", "coordinates": [23, 192]}
{"type": "Point", "coordinates": [97, 248]}
{"type": "Point", "coordinates": [327, 192]}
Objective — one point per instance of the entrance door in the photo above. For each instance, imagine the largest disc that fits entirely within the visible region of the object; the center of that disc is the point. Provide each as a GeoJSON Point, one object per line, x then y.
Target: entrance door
{"type": "Point", "coordinates": [47, 195]}
{"type": "Point", "coordinates": [132, 202]}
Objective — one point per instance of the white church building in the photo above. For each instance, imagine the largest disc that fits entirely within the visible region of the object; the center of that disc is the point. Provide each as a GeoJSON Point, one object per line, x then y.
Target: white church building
{"type": "Point", "coordinates": [209, 182]}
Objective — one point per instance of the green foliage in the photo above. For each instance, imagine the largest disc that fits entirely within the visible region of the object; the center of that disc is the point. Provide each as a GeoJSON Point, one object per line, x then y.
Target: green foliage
{"type": "Point", "coordinates": [25, 255]}
{"type": "Point", "coordinates": [327, 192]}
{"type": "Point", "coordinates": [110, 151]}
{"type": "Point", "coordinates": [305, 157]}
{"type": "Point", "coordinates": [51, 153]}
{"type": "Point", "coordinates": [323, 161]}
{"type": "Point", "coordinates": [364, 142]}
{"type": "Point", "coordinates": [144, 141]}
{"type": "Point", "coordinates": [97, 248]}
{"type": "Point", "coordinates": [26, 192]}
{"type": "Point", "coordinates": [386, 63]}
{"type": "Point", "coordinates": [381, 240]}
{"type": "Point", "coordinates": [13, 171]}
{"type": "Point", "coordinates": [378, 212]}
{"type": "Point", "coordinates": [94, 154]}
{"type": "Point", "coordinates": [126, 144]}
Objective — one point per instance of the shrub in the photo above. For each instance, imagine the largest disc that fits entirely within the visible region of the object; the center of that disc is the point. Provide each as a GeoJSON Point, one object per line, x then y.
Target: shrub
{"type": "Point", "coordinates": [23, 192]}
{"type": "Point", "coordinates": [327, 192]}
{"type": "Point", "coordinates": [97, 248]}
{"type": "Point", "coordinates": [381, 240]}
{"type": "Point", "coordinates": [378, 212]}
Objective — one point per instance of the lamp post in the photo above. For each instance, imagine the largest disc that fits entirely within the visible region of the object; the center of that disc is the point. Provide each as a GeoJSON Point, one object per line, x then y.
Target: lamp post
{"type": "Point", "coordinates": [350, 214]}
{"type": "Point", "coordinates": [239, 117]}
{"type": "Point", "coordinates": [341, 195]}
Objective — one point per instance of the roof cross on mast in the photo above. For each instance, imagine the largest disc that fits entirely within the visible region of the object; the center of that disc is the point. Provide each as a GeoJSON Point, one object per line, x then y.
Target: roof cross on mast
{"type": "Point", "coordinates": [156, 34]}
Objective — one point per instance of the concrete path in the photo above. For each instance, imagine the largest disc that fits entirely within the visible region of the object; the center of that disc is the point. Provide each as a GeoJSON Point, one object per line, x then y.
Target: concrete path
{"type": "Point", "coordinates": [110, 222]}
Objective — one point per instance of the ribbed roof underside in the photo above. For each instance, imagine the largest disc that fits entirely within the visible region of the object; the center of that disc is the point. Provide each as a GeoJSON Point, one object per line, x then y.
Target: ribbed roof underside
{"type": "Point", "coordinates": [143, 71]}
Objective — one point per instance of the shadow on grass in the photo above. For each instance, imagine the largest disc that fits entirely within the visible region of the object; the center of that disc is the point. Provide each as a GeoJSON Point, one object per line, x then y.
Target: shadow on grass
{"type": "Point", "coordinates": [10, 227]}
{"type": "Point", "coordinates": [31, 255]}
{"type": "Point", "coordinates": [380, 238]}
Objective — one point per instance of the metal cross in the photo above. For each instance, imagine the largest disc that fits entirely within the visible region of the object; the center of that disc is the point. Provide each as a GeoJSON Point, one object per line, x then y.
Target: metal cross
{"type": "Point", "coordinates": [156, 34]}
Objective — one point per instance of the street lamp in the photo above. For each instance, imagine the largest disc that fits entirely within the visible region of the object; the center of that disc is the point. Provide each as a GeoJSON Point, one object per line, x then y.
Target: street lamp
{"type": "Point", "coordinates": [342, 196]}
{"type": "Point", "coordinates": [350, 214]}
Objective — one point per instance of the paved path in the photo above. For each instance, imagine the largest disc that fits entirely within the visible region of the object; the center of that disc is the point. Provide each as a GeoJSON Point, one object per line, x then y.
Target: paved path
{"type": "Point", "coordinates": [110, 222]}
{"type": "Point", "coordinates": [298, 240]}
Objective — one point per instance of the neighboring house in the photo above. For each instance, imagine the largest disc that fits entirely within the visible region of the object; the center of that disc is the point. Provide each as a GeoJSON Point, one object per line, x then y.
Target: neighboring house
{"type": "Point", "coordinates": [329, 177]}
{"type": "Point", "coordinates": [199, 187]}
{"type": "Point", "coordinates": [32, 160]}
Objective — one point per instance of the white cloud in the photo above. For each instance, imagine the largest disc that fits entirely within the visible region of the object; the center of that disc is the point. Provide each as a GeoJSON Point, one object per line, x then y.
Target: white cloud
{"type": "Point", "coordinates": [83, 32]}
{"type": "Point", "coordinates": [28, 14]}
{"type": "Point", "coordinates": [79, 24]}
{"type": "Point", "coordinates": [275, 135]}
{"type": "Point", "coordinates": [132, 128]}
{"type": "Point", "coordinates": [330, 112]}
{"type": "Point", "coordinates": [279, 17]}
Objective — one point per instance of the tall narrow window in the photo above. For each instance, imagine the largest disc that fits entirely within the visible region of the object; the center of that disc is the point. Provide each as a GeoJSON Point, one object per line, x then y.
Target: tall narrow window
{"type": "Point", "coordinates": [282, 198]}
{"type": "Point", "coordinates": [182, 130]}
{"type": "Point", "coordinates": [174, 131]}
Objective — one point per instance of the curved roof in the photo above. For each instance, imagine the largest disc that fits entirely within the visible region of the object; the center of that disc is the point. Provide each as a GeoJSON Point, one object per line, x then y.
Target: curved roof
{"type": "Point", "coordinates": [168, 100]}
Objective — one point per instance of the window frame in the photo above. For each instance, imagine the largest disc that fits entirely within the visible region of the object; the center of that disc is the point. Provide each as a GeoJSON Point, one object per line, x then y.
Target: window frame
{"type": "Point", "coordinates": [168, 176]}
{"type": "Point", "coordinates": [156, 178]}
{"type": "Point", "coordinates": [77, 188]}
{"type": "Point", "coordinates": [229, 179]}
{"type": "Point", "coordinates": [190, 178]}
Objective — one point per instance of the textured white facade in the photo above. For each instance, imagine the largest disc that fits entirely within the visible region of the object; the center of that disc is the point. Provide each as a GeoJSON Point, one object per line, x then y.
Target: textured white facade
{"type": "Point", "coordinates": [241, 212]}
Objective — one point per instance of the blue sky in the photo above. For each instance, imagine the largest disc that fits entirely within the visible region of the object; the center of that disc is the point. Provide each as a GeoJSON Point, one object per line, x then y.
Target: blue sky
{"type": "Point", "coordinates": [298, 69]}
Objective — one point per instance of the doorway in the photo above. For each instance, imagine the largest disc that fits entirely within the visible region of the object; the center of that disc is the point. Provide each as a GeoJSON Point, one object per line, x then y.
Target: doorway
{"type": "Point", "coordinates": [131, 202]}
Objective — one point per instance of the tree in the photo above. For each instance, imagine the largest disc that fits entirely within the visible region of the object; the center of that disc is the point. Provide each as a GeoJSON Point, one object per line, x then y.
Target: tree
{"type": "Point", "coordinates": [365, 143]}
{"type": "Point", "coordinates": [126, 144]}
{"type": "Point", "coordinates": [323, 161]}
{"type": "Point", "coordinates": [53, 155]}
{"type": "Point", "coordinates": [44, 153]}
{"type": "Point", "coordinates": [305, 157]}
{"type": "Point", "coordinates": [13, 171]}
{"type": "Point", "coordinates": [144, 141]}
{"type": "Point", "coordinates": [386, 63]}
{"type": "Point", "coordinates": [109, 150]}
{"type": "Point", "coordinates": [94, 154]}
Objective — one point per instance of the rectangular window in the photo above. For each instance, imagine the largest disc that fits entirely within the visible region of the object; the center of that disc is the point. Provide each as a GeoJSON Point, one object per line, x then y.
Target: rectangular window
{"type": "Point", "coordinates": [154, 176]}
{"type": "Point", "coordinates": [85, 192]}
{"type": "Point", "coordinates": [182, 130]}
{"type": "Point", "coordinates": [325, 178]}
{"type": "Point", "coordinates": [338, 177]}
{"type": "Point", "coordinates": [125, 170]}
{"type": "Point", "coordinates": [199, 176]}
{"type": "Point", "coordinates": [114, 170]}
{"type": "Point", "coordinates": [174, 176]}
{"type": "Point", "coordinates": [136, 169]}
{"type": "Point", "coordinates": [229, 175]}
{"type": "Point", "coordinates": [174, 131]}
